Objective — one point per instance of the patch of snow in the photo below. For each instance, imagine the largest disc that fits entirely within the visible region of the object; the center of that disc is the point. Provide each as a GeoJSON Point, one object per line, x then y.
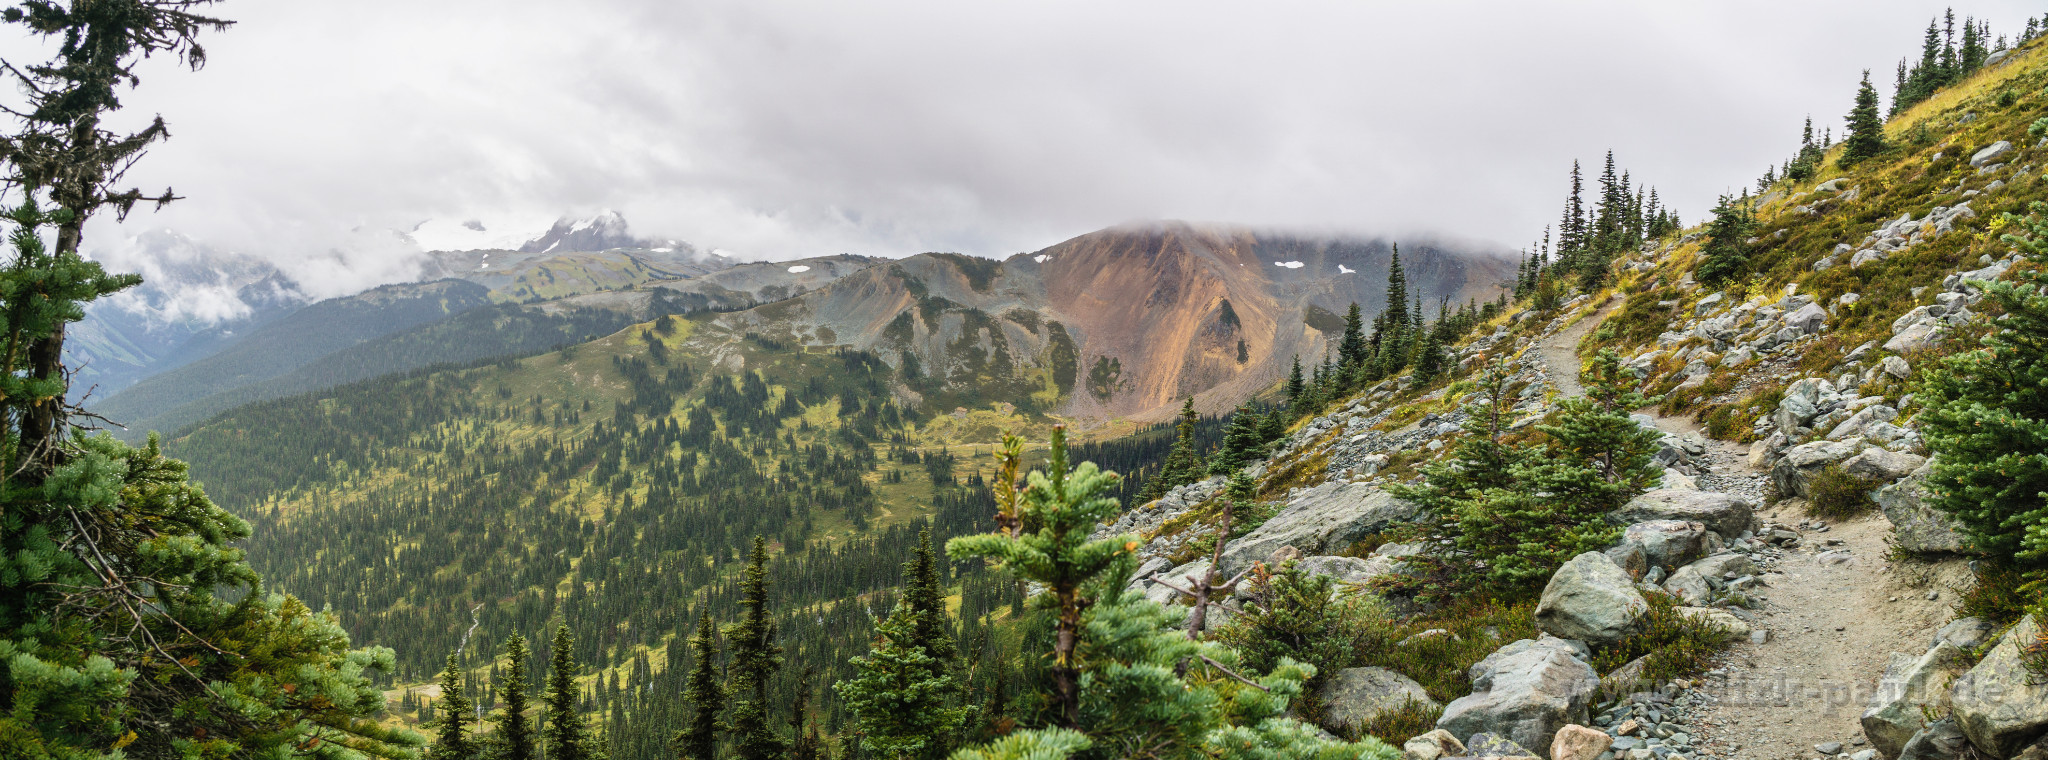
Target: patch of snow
{"type": "Point", "coordinates": [664, 250]}
{"type": "Point", "coordinates": [1288, 264]}
{"type": "Point", "coordinates": [799, 268]}
{"type": "Point", "coordinates": [1040, 258]}
{"type": "Point", "coordinates": [552, 246]}
{"type": "Point", "coordinates": [721, 253]}
{"type": "Point", "coordinates": [1341, 269]}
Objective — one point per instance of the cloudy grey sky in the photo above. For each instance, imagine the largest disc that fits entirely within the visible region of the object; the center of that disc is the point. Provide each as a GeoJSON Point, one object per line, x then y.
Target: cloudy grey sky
{"type": "Point", "coordinates": [791, 128]}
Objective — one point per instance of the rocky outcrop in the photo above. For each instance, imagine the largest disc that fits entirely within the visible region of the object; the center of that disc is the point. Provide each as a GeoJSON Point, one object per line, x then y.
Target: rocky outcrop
{"type": "Point", "coordinates": [1697, 583]}
{"type": "Point", "coordinates": [1917, 527]}
{"type": "Point", "coordinates": [1725, 514]}
{"type": "Point", "coordinates": [1328, 517]}
{"type": "Point", "coordinates": [1354, 697]}
{"type": "Point", "coordinates": [1671, 544]}
{"type": "Point", "coordinates": [1912, 689]}
{"type": "Point", "coordinates": [1590, 599]}
{"type": "Point", "coordinates": [1525, 691]}
{"type": "Point", "coordinates": [2000, 704]}
{"type": "Point", "coordinates": [1941, 740]}
{"type": "Point", "coordinates": [1802, 463]}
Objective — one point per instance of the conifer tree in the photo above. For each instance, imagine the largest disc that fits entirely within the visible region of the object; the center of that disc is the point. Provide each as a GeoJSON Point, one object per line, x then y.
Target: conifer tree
{"type": "Point", "coordinates": [698, 740]}
{"type": "Point", "coordinates": [1295, 385]}
{"type": "Point", "coordinates": [1183, 463]}
{"type": "Point", "coordinates": [1135, 702]}
{"type": "Point", "coordinates": [755, 658]}
{"type": "Point", "coordinates": [131, 623]}
{"type": "Point", "coordinates": [567, 737]}
{"type": "Point", "coordinates": [1571, 231]}
{"type": "Point", "coordinates": [511, 737]}
{"type": "Point", "coordinates": [1866, 127]}
{"type": "Point", "coordinates": [902, 697]}
{"type": "Point", "coordinates": [1351, 348]}
{"type": "Point", "coordinates": [805, 743]}
{"type": "Point", "coordinates": [1242, 443]}
{"type": "Point", "coordinates": [1987, 416]}
{"type": "Point", "coordinates": [931, 626]}
{"type": "Point", "coordinates": [1272, 426]}
{"type": "Point", "coordinates": [451, 736]}
{"type": "Point", "coordinates": [1726, 250]}
{"type": "Point", "coordinates": [1429, 358]}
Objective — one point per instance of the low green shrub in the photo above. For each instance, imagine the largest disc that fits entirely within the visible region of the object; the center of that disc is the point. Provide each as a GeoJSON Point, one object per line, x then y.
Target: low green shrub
{"type": "Point", "coordinates": [1472, 629]}
{"type": "Point", "coordinates": [1998, 594]}
{"type": "Point", "coordinates": [1298, 615]}
{"type": "Point", "coordinates": [1836, 495]}
{"type": "Point", "coordinates": [1678, 646]}
{"type": "Point", "coordinates": [1412, 720]}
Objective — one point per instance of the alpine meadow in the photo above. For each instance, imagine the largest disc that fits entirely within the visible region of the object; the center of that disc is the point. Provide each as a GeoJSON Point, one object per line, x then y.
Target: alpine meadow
{"type": "Point", "coordinates": [926, 411]}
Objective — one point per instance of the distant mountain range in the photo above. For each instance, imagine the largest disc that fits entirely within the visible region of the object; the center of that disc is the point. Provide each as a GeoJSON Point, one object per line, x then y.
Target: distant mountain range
{"type": "Point", "coordinates": [1122, 322]}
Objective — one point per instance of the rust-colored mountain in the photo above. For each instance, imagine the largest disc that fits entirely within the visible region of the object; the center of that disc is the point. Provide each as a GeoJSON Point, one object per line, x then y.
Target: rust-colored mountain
{"type": "Point", "coordinates": [1124, 321]}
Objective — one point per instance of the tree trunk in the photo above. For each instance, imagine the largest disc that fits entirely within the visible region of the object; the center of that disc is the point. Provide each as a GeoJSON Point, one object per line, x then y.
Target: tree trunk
{"type": "Point", "coordinates": [41, 420]}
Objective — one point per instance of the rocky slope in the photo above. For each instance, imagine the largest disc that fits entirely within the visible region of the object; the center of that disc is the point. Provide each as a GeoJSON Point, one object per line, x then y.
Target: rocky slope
{"type": "Point", "coordinates": [1846, 641]}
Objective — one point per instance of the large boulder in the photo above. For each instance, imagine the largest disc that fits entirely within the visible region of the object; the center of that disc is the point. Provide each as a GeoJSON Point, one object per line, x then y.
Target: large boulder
{"type": "Point", "coordinates": [1862, 422]}
{"type": "Point", "coordinates": [1736, 627]}
{"type": "Point", "coordinates": [1697, 582]}
{"type": "Point", "coordinates": [1590, 599]}
{"type": "Point", "coordinates": [1916, 336]}
{"type": "Point", "coordinates": [1881, 465]}
{"type": "Point", "coordinates": [1355, 697]}
{"type": "Point", "coordinates": [2000, 704]}
{"type": "Point", "coordinates": [1942, 740]}
{"type": "Point", "coordinates": [1912, 689]}
{"type": "Point", "coordinates": [1726, 514]}
{"type": "Point", "coordinates": [1917, 527]}
{"type": "Point", "coordinates": [1322, 519]}
{"type": "Point", "coordinates": [1525, 691]}
{"type": "Point", "coordinates": [1802, 463]}
{"type": "Point", "coordinates": [1809, 319]}
{"type": "Point", "coordinates": [1671, 544]}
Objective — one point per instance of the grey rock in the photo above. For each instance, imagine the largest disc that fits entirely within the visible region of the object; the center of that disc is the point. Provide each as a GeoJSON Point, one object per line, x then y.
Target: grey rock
{"type": "Point", "coordinates": [1349, 569]}
{"type": "Point", "coordinates": [1802, 402]}
{"type": "Point", "coordinates": [1828, 748]}
{"type": "Point", "coordinates": [1917, 527]}
{"type": "Point", "coordinates": [1801, 463]}
{"type": "Point", "coordinates": [1432, 745]}
{"type": "Point", "coordinates": [1327, 517]}
{"type": "Point", "coordinates": [1692, 583]}
{"type": "Point", "coordinates": [2000, 705]}
{"type": "Point", "coordinates": [1630, 558]}
{"type": "Point", "coordinates": [1354, 697]}
{"type": "Point", "coordinates": [1671, 543]}
{"type": "Point", "coordinates": [1966, 633]}
{"type": "Point", "coordinates": [1862, 421]}
{"type": "Point", "coordinates": [1897, 367]}
{"type": "Point", "coordinates": [1915, 337]}
{"type": "Point", "coordinates": [1726, 514]}
{"type": "Point", "coordinates": [1494, 745]}
{"type": "Point", "coordinates": [1911, 689]}
{"type": "Point", "coordinates": [1526, 691]}
{"type": "Point", "coordinates": [1590, 599]}
{"type": "Point", "coordinates": [1808, 320]}
{"type": "Point", "coordinates": [1879, 464]}
{"type": "Point", "coordinates": [1991, 153]}
{"type": "Point", "coordinates": [1941, 740]}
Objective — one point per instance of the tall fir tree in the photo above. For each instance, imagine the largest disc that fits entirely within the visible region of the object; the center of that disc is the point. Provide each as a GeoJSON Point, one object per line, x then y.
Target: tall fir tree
{"type": "Point", "coordinates": [566, 735]}
{"type": "Point", "coordinates": [903, 699]}
{"type": "Point", "coordinates": [1294, 387]}
{"type": "Point", "coordinates": [1987, 417]}
{"type": "Point", "coordinates": [1351, 349]}
{"type": "Point", "coordinates": [1866, 126]}
{"type": "Point", "coordinates": [1183, 463]}
{"type": "Point", "coordinates": [452, 739]}
{"type": "Point", "coordinates": [698, 740]}
{"type": "Point", "coordinates": [1726, 249]}
{"type": "Point", "coordinates": [1242, 443]}
{"type": "Point", "coordinates": [932, 627]}
{"type": "Point", "coordinates": [805, 742]}
{"type": "Point", "coordinates": [132, 624]}
{"type": "Point", "coordinates": [511, 737]}
{"type": "Point", "coordinates": [755, 658]}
